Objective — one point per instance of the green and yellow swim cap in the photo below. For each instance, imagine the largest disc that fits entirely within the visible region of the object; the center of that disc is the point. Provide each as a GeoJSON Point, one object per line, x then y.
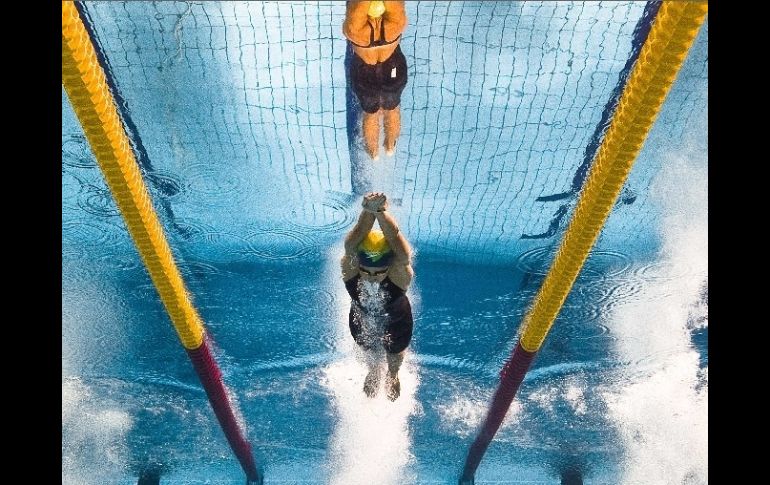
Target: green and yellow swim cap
{"type": "Point", "coordinates": [376, 9]}
{"type": "Point", "coordinates": [374, 250]}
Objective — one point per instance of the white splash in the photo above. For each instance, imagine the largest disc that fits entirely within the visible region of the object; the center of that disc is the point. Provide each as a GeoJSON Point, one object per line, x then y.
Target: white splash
{"type": "Point", "coordinates": [94, 428]}
{"type": "Point", "coordinates": [574, 395]}
{"type": "Point", "coordinates": [663, 423]}
{"type": "Point", "coordinates": [661, 407]}
{"type": "Point", "coordinates": [463, 415]}
{"type": "Point", "coordinates": [93, 437]}
{"type": "Point", "coordinates": [545, 397]}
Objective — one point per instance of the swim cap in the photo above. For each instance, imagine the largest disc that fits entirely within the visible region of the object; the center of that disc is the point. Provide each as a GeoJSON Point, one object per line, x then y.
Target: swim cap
{"type": "Point", "coordinates": [376, 9]}
{"type": "Point", "coordinates": [374, 250]}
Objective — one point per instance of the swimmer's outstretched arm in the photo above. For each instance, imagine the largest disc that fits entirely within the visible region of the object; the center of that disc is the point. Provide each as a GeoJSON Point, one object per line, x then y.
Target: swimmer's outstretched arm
{"type": "Point", "coordinates": [356, 26]}
{"type": "Point", "coordinates": [349, 262]}
{"type": "Point", "coordinates": [396, 240]}
{"type": "Point", "coordinates": [359, 231]}
{"type": "Point", "coordinates": [401, 272]}
{"type": "Point", "coordinates": [395, 19]}
{"type": "Point", "coordinates": [389, 226]}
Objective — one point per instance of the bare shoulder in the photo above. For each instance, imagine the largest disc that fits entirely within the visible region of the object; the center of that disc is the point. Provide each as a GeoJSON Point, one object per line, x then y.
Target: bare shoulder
{"type": "Point", "coordinates": [349, 266]}
{"type": "Point", "coordinates": [401, 275]}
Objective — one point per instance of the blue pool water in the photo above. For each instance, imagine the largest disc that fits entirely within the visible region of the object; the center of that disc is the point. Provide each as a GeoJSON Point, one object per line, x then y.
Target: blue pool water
{"type": "Point", "coordinates": [239, 114]}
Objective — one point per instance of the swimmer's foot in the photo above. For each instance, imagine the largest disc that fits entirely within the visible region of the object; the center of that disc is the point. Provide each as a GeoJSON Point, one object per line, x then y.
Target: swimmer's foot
{"type": "Point", "coordinates": [374, 155]}
{"type": "Point", "coordinates": [374, 152]}
{"type": "Point", "coordinates": [372, 383]}
{"type": "Point", "coordinates": [394, 387]}
{"type": "Point", "coordinates": [390, 150]}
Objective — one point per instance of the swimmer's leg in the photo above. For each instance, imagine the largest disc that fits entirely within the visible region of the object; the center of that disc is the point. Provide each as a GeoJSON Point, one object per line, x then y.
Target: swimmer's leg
{"type": "Point", "coordinates": [372, 381]}
{"type": "Point", "coordinates": [392, 129]}
{"type": "Point", "coordinates": [371, 129]}
{"type": "Point", "coordinates": [392, 382]}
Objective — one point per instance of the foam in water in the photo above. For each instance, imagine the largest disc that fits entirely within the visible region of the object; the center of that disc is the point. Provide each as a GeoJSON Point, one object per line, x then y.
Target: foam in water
{"type": "Point", "coordinates": [661, 406]}
{"type": "Point", "coordinates": [93, 436]}
{"type": "Point", "coordinates": [463, 415]}
{"type": "Point", "coordinates": [545, 397]}
{"type": "Point", "coordinates": [94, 428]}
{"type": "Point", "coordinates": [574, 395]}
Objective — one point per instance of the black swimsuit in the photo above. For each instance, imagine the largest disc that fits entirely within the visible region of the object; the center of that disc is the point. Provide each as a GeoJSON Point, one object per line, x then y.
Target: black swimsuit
{"type": "Point", "coordinates": [393, 316]}
{"type": "Point", "coordinates": [379, 86]}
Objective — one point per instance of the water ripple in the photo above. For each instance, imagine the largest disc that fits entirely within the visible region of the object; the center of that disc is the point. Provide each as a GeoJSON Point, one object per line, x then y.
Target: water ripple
{"type": "Point", "coordinates": [97, 201]}
{"type": "Point", "coordinates": [70, 183]}
{"type": "Point", "coordinates": [168, 184]}
{"type": "Point", "coordinates": [606, 263]}
{"type": "Point", "coordinates": [144, 291]}
{"type": "Point", "coordinates": [660, 271]}
{"type": "Point", "coordinates": [454, 363]}
{"type": "Point", "coordinates": [120, 262]}
{"type": "Point", "coordinates": [592, 331]}
{"type": "Point", "coordinates": [279, 244]}
{"type": "Point", "coordinates": [603, 263]}
{"type": "Point", "coordinates": [95, 233]}
{"type": "Point", "coordinates": [312, 298]}
{"type": "Point", "coordinates": [536, 261]}
{"type": "Point", "coordinates": [622, 293]}
{"type": "Point", "coordinates": [193, 228]}
{"type": "Point", "coordinates": [566, 368]}
{"type": "Point", "coordinates": [331, 215]}
{"type": "Point", "coordinates": [160, 384]}
{"type": "Point", "coordinates": [582, 313]}
{"type": "Point", "coordinates": [76, 152]}
{"type": "Point", "coordinates": [292, 363]}
{"type": "Point", "coordinates": [216, 247]}
{"type": "Point", "coordinates": [199, 268]}
{"type": "Point", "coordinates": [208, 179]}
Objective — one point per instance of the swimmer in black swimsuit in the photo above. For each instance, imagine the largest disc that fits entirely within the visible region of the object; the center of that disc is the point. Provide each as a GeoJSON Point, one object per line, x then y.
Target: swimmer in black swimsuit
{"type": "Point", "coordinates": [377, 271]}
{"type": "Point", "coordinates": [378, 69]}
